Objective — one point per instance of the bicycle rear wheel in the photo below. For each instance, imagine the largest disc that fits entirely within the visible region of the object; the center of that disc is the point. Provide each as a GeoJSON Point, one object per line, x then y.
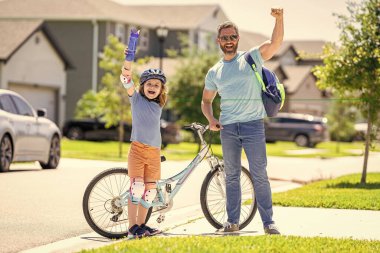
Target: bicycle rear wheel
{"type": "Point", "coordinates": [213, 198]}
{"type": "Point", "coordinates": [101, 203]}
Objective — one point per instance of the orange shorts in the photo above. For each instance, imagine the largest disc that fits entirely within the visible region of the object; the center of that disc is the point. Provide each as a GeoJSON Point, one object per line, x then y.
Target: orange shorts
{"type": "Point", "coordinates": [144, 161]}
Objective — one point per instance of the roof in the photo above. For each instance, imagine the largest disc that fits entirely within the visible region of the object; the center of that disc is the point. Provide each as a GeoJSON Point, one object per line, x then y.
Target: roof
{"type": "Point", "coordinates": [173, 16]}
{"type": "Point", "coordinates": [186, 16]}
{"type": "Point", "coordinates": [14, 33]}
{"type": "Point", "coordinates": [296, 75]}
{"type": "Point", "coordinates": [306, 49]}
{"type": "Point", "coordinates": [249, 40]}
{"type": "Point", "coordinates": [62, 9]}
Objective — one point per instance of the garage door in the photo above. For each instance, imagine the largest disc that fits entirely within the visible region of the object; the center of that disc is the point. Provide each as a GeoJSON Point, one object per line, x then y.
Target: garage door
{"type": "Point", "coordinates": [39, 97]}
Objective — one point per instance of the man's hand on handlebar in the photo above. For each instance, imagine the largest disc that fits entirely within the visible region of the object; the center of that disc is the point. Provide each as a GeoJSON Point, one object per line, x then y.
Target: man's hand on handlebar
{"type": "Point", "coordinates": [215, 125]}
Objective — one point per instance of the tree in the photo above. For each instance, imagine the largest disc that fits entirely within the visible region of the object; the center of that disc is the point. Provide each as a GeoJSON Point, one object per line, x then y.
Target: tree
{"type": "Point", "coordinates": [352, 69]}
{"type": "Point", "coordinates": [186, 86]}
{"type": "Point", "coordinates": [341, 118]}
{"type": "Point", "coordinates": [110, 103]}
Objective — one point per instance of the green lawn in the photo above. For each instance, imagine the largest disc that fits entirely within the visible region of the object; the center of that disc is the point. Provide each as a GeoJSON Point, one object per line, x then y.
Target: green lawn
{"type": "Point", "coordinates": [234, 244]}
{"type": "Point", "coordinates": [344, 192]}
{"type": "Point", "coordinates": [186, 151]}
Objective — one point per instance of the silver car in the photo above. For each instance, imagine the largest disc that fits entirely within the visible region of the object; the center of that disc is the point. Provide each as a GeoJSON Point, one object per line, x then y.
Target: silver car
{"type": "Point", "coordinates": [26, 135]}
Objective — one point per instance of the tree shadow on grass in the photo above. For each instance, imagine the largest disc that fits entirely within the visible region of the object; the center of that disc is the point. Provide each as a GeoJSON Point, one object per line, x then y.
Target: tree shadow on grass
{"type": "Point", "coordinates": [367, 186]}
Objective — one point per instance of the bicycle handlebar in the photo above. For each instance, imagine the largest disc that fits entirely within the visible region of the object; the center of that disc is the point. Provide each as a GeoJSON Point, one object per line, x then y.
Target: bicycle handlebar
{"type": "Point", "coordinates": [195, 126]}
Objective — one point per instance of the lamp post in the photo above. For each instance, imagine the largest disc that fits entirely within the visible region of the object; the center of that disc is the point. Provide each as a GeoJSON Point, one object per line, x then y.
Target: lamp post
{"type": "Point", "coordinates": [162, 32]}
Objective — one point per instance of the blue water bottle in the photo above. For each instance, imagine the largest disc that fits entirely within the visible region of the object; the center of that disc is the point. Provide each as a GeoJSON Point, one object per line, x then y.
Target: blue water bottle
{"type": "Point", "coordinates": [132, 44]}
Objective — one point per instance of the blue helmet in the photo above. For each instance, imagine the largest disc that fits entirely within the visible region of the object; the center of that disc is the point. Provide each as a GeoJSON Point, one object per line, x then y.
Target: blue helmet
{"type": "Point", "coordinates": [152, 74]}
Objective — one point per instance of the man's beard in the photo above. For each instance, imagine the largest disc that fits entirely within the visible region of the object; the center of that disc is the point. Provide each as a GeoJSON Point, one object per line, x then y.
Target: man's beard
{"type": "Point", "coordinates": [232, 50]}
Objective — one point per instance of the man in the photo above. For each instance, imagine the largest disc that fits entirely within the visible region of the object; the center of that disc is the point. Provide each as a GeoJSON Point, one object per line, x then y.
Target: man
{"type": "Point", "coordinates": [241, 122]}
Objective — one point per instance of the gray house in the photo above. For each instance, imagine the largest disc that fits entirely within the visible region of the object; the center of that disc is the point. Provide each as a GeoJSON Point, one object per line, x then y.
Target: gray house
{"type": "Point", "coordinates": [80, 28]}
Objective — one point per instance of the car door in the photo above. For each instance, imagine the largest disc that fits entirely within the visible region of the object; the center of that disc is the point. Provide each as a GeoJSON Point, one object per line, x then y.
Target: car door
{"type": "Point", "coordinates": [32, 142]}
{"type": "Point", "coordinates": [276, 129]}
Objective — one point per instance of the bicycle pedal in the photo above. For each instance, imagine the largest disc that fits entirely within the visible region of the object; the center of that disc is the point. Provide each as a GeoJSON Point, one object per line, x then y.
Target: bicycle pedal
{"type": "Point", "coordinates": [160, 218]}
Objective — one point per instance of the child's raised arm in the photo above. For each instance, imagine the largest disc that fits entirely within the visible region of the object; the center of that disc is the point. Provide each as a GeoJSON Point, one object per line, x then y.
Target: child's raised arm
{"type": "Point", "coordinates": [126, 71]}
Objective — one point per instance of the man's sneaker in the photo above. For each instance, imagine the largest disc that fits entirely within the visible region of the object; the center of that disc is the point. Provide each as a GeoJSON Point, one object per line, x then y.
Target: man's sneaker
{"type": "Point", "coordinates": [271, 229]}
{"type": "Point", "coordinates": [228, 228]}
{"type": "Point", "coordinates": [150, 231]}
{"type": "Point", "coordinates": [136, 232]}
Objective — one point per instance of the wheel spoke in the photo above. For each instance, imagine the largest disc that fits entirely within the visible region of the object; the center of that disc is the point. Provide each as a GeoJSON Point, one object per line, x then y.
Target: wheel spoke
{"type": "Point", "coordinates": [104, 204]}
{"type": "Point", "coordinates": [216, 198]}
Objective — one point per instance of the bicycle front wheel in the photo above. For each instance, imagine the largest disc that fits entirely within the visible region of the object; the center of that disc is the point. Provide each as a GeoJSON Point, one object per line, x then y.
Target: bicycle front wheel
{"type": "Point", "coordinates": [213, 198]}
{"type": "Point", "coordinates": [102, 203]}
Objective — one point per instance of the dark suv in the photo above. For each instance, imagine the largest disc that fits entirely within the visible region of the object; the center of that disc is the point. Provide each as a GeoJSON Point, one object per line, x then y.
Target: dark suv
{"type": "Point", "coordinates": [95, 130]}
{"type": "Point", "coordinates": [305, 130]}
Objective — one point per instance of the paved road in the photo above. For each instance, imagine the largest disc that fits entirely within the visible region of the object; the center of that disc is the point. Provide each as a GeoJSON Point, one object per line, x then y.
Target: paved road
{"type": "Point", "coordinates": [43, 206]}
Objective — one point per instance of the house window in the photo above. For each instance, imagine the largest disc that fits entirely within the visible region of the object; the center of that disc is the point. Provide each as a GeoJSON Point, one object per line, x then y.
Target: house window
{"type": "Point", "coordinates": [120, 32]}
{"type": "Point", "coordinates": [144, 39]}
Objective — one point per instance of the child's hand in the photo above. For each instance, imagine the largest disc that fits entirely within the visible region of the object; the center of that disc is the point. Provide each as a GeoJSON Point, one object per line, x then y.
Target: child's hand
{"type": "Point", "coordinates": [127, 73]}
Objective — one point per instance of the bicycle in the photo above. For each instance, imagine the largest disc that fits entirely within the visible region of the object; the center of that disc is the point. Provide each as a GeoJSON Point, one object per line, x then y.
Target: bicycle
{"type": "Point", "coordinates": [106, 197]}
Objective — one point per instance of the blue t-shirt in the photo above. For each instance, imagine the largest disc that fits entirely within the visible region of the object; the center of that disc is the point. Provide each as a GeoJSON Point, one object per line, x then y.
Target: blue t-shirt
{"type": "Point", "coordinates": [239, 89]}
{"type": "Point", "coordinates": [146, 117]}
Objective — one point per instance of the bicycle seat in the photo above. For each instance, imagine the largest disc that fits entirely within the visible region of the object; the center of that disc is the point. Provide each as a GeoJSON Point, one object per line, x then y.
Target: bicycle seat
{"type": "Point", "coordinates": [163, 158]}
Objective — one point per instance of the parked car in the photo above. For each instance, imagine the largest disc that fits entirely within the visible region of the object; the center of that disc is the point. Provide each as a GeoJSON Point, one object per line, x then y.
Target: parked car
{"type": "Point", "coordinates": [25, 134]}
{"type": "Point", "coordinates": [305, 130]}
{"type": "Point", "coordinates": [95, 130]}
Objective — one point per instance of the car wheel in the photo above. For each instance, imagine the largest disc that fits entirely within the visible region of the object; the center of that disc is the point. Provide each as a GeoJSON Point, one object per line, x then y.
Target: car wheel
{"type": "Point", "coordinates": [75, 133]}
{"type": "Point", "coordinates": [54, 154]}
{"type": "Point", "coordinates": [6, 153]}
{"type": "Point", "coordinates": [302, 140]}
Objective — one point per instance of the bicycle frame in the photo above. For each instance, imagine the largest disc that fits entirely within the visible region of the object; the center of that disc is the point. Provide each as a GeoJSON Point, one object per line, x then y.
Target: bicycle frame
{"type": "Point", "coordinates": [181, 177]}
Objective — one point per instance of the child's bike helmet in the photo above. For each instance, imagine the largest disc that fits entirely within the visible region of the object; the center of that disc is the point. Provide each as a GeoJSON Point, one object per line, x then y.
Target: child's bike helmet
{"type": "Point", "coordinates": [152, 74]}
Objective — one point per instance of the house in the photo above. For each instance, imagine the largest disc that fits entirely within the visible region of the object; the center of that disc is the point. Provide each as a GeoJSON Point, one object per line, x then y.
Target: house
{"type": "Point", "coordinates": [293, 64]}
{"type": "Point", "coordinates": [81, 27]}
{"type": "Point", "coordinates": [32, 64]}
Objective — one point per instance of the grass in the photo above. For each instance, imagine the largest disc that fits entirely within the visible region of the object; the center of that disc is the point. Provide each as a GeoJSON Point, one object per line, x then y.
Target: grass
{"type": "Point", "coordinates": [232, 244]}
{"type": "Point", "coordinates": [344, 192]}
{"type": "Point", "coordinates": [109, 150]}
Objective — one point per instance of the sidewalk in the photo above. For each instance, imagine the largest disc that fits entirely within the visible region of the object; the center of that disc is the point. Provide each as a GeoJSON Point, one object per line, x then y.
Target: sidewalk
{"type": "Point", "coordinates": [285, 174]}
{"type": "Point", "coordinates": [310, 222]}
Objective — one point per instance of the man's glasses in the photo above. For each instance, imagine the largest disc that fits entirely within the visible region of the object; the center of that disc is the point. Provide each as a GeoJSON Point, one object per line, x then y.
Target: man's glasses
{"type": "Point", "coordinates": [226, 38]}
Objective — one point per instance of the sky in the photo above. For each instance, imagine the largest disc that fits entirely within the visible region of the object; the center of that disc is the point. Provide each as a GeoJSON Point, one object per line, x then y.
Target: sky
{"type": "Point", "coordinates": [303, 19]}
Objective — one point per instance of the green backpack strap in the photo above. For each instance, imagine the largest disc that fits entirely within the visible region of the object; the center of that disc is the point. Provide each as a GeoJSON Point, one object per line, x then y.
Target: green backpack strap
{"type": "Point", "coordinates": [279, 85]}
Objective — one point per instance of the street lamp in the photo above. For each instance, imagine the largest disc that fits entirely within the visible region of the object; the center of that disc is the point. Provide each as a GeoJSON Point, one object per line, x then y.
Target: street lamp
{"type": "Point", "coordinates": [162, 32]}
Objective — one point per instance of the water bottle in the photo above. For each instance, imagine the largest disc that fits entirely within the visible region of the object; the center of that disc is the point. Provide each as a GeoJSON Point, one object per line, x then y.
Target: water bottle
{"type": "Point", "coordinates": [132, 44]}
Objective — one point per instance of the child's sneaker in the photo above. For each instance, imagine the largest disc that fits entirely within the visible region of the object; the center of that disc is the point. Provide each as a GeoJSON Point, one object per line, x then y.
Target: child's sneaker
{"type": "Point", "coordinates": [150, 231]}
{"type": "Point", "coordinates": [136, 232]}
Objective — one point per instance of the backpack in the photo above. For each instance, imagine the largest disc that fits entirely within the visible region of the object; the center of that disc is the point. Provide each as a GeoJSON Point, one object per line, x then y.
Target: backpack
{"type": "Point", "coordinates": [273, 92]}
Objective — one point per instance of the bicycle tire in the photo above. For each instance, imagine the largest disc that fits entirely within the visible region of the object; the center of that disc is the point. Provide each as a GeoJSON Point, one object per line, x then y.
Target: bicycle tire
{"type": "Point", "coordinates": [214, 217]}
{"type": "Point", "coordinates": [95, 203]}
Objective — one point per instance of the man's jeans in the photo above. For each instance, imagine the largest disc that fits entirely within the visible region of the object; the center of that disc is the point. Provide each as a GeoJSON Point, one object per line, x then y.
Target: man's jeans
{"type": "Point", "coordinates": [250, 136]}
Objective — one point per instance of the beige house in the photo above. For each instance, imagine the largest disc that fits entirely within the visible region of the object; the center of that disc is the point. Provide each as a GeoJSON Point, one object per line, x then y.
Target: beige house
{"type": "Point", "coordinates": [293, 65]}
{"type": "Point", "coordinates": [32, 65]}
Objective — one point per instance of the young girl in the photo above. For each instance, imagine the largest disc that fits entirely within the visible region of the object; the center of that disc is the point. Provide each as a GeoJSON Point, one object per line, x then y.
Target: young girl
{"type": "Point", "coordinates": [144, 159]}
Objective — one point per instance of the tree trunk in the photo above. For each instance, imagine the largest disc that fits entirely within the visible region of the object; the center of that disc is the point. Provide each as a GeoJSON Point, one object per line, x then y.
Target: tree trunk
{"type": "Point", "coordinates": [367, 143]}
